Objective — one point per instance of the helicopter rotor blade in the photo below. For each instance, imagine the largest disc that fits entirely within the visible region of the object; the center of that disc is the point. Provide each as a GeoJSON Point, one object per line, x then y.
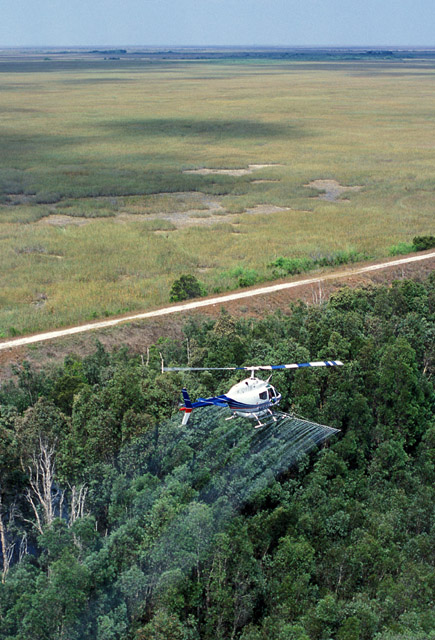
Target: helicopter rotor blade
{"type": "Point", "coordinates": [204, 368]}
{"type": "Point", "coordinates": [268, 367]}
{"type": "Point", "coordinates": [277, 367]}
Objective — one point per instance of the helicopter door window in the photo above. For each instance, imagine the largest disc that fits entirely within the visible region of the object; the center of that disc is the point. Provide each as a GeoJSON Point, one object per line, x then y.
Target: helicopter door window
{"type": "Point", "coordinates": [271, 394]}
{"type": "Point", "coordinates": [263, 395]}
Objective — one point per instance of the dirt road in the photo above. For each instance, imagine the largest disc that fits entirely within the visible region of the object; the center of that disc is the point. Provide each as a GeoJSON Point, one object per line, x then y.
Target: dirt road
{"type": "Point", "coordinates": [218, 300]}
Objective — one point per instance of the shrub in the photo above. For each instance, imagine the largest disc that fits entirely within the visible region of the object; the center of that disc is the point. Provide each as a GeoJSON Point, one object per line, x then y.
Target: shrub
{"type": "Point", "coordinates": [338, 258]}
{"type": "Point", "coordinates": [186, 287]}
{"type": "Point", "coordinates": [245, 277]}
{"type": "Point", "coordinates": [290, 266]}
{"type": "Point", "coordinates": [401, 248]}
{"type": "Point", "coordinates": [423, 242]}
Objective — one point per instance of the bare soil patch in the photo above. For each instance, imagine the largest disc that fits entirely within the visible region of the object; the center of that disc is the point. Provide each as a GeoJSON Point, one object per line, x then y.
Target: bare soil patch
{"type": "Point", "coordinates": [210, 211]}
{"type": "Point", "coordinates": [263, 180]}
{"type": "Point", "coordinates": [266, 209]}
{"type": "Point", "coordinates": [332, 190]}
{"type": "Point", "coordinates": [217, 215]}
{"type": "Point", "coordinates": [206, 212]}
{"type": "Point", "coordinates": [231, 172]}
{"type": "Point", "coordinates": [182, 209]}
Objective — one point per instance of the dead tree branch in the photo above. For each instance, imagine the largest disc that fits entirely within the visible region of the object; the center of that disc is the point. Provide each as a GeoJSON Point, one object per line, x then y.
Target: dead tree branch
{"type": "Point", "coordinates": [42, 495]}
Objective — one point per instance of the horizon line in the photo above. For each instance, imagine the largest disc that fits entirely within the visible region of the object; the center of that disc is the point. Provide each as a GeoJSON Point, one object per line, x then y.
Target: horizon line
{"type": "Point", "coordinates": [222, 46]}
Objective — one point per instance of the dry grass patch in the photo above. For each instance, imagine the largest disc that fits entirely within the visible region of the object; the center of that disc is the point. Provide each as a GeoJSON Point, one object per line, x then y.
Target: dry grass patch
{"type": "Point", "coordinates": [60, 220]}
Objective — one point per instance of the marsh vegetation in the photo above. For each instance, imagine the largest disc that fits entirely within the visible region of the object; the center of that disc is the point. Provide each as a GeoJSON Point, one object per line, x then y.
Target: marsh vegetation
{"type": "Point", "coordinates": [113, 148]}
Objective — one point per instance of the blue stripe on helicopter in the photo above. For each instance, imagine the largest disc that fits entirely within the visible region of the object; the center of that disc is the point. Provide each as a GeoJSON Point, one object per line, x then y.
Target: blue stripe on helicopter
{"type": "Point", "coordinates": [224, 401]}
{"type": "Point", "coordinates": [242, 405]}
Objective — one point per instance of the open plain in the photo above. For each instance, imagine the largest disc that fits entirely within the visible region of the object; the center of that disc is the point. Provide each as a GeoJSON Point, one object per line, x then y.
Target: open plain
{"type": "Point", "coordinates": [118, 176]}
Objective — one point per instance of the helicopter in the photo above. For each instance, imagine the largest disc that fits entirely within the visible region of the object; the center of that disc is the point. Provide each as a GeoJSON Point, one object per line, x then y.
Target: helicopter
{"type": "Point", "coordinates": [251, 398]}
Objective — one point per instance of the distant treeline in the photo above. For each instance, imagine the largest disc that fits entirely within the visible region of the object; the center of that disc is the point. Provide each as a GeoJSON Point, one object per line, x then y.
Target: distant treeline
{"type": "Point", "coordinates": [279, 54]}
{"type": "Point", "coordinates": [109, 52]}
{"type": "Point", "coordinates": [266, 53]}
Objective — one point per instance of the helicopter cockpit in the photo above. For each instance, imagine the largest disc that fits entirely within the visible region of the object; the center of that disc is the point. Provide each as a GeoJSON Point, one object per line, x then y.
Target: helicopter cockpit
{"type": "Point", "coordinates": [269, 394]}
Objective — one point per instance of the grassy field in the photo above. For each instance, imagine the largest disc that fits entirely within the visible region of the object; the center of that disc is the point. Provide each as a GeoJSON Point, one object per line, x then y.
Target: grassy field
{"type": "Point", "coordinates": [97, 216]}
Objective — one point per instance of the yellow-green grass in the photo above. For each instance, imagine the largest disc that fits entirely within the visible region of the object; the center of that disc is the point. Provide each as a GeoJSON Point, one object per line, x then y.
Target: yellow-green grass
{"type": "Point", "coordinates": [96, 143]}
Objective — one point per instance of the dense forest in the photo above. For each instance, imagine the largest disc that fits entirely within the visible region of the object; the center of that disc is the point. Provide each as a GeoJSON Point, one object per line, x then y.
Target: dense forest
{"type": "Point", "coordinates": [117, 524]}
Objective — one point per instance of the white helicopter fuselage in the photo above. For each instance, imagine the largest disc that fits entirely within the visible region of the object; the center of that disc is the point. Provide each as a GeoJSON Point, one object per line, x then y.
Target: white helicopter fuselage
{"type": "Point", "coordinates": [252, 398]}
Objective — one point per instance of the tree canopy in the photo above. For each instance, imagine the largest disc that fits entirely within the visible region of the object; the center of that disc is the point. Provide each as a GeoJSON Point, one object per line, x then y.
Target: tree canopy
{"type": "Point", "coordinates": [219, 531]}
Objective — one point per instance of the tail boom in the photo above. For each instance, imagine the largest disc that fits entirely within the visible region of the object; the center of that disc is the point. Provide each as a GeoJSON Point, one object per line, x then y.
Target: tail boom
{"type": "Point", "coordinates": [187, 408]}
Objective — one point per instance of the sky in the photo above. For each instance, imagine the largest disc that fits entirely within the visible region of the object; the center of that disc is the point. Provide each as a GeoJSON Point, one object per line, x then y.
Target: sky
{"type": "Point", "coordinates": [217, 22]}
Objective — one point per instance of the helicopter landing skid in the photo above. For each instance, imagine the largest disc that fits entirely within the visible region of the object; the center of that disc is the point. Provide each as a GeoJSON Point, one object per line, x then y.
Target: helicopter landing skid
{"type": "Point", "coordinates": [260, 424]}
{"type": "Point", "coordinates": [273, 418]}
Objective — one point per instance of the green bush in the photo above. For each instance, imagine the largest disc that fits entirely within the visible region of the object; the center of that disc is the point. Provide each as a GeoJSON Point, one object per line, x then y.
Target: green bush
{"type": "Point", "coordinates": [401, 248]}
{"type": "Point", "coordinates": [421, 243]}
{"type": "Point", "coordinates": [245, 277]}
{"type": "Point", "coordinates": [290, 266]}
{"type": "Point", "coordinates": [186, 287]}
